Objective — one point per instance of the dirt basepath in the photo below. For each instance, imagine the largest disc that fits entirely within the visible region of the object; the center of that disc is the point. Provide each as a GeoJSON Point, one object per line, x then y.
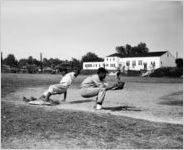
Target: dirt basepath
{"type": "Point", "coordinates": [153, 102]}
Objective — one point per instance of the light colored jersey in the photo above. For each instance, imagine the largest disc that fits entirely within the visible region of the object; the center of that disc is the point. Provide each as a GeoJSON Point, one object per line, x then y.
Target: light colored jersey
{"type": "Point", "coordinates": [93, 81]}
{"type": "Point", "coordinates": [68, 79]}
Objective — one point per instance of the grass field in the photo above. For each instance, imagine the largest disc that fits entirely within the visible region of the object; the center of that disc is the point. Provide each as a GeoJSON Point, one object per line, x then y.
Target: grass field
{"type": "Point", "coordinates": [26, 126]}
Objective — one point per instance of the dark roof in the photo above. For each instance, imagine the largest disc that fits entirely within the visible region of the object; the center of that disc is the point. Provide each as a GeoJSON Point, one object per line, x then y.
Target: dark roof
{"type": "Point", "coordinates": [95, 61]}
{"type": "Point", "coordinates": [150, 54]}
{"type": "Point", "coordinates": [115, 55]}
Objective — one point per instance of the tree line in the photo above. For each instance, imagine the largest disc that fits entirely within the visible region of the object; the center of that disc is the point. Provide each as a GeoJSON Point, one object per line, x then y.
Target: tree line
{"type": "Point", "coordinates": [33, 64]}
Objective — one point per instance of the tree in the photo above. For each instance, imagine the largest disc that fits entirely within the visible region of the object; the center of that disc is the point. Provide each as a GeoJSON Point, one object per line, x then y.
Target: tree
{"type": "Point", "coordinates": [179, 63]}
{"type": "Point", "coordinates": [128, 49]}
{"type": "Point", "coordinates": [142, 48]}
{"type": "Point", "coordinates": [91, 57]}
{"type": "Point", "coordinates": [32, 68]}
{"type": "Point", "coordinates": [134, 50]}
{"type": "Point", "coordinates": [36, 62]}
{"type": "Point", "coordinates": [54, 62]}
{"type": "Point", "coordinates": [75, 63]}
{"type": "Point", "coordinates": [22, 62]}
{"type": "Point", "coordinates": [30, 60]}
{"type": "Point", "coordinates": [46, 62]}
{"type": "Point", "coordinates": [121, 50]}
{"type": "Point", "coordinates": [11, 60]}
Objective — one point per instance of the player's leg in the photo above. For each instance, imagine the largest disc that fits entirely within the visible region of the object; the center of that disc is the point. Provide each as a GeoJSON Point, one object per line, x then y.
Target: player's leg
{"type": "Point", "coordinates": [91, 92]}
{"type": "Point", "coordinates": [100, 98]}
{"type": "Point", "coordinates": [65, 95]}
{"type": "Point", "coordinates": [46, 95]}
{"type": "Point", "coordinates": [58, 89]}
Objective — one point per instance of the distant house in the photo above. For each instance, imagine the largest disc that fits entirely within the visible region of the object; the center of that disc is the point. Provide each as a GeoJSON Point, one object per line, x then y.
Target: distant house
{"type": "Point", "coordinates": [24, 69]}
{"type": "Point", "coordinates": [48, 70]}
{"type": "Point", "coordinates": [5, 68]}
{"type": "Point", "coordinates": [146, 61]}
{"type": "Point", "coordinates": [8, 69]}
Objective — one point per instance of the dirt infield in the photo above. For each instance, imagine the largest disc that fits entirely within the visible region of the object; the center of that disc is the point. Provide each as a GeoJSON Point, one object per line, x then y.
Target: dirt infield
{"type": "Point", "coordinates": [153, 102]}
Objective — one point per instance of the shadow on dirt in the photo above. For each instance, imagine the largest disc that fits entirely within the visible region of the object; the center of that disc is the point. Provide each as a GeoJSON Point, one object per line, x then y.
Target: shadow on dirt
{"type": "Point", "coordinates": [173, 99]}
{"type": "Point", "coordinates": [172, 102]}
{"type": "Point", "coordinates": [122, 108]}
{"type": "Point", "coordinates": [81, 101]}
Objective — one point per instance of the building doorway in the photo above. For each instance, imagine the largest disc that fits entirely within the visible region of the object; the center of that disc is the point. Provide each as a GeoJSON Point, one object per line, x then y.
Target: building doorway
{"type": "Point", "coordinates": [145, 66]}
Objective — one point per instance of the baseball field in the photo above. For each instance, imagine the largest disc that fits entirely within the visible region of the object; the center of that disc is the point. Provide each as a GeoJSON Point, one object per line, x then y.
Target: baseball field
{"type": "Point", "coordinates": [146, 114]}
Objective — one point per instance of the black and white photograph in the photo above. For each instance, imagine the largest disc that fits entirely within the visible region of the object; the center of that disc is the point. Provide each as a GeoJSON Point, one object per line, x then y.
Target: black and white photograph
{"type": "Point", "coordinates": [104, 74]}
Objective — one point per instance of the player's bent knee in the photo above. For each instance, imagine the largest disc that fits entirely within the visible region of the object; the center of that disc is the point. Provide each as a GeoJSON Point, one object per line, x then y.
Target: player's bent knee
{"type": "Point", "coordinates": [87, 95]}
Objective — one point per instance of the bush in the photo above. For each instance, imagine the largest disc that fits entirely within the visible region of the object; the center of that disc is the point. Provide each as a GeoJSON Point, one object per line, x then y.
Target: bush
{"type": "Point", "coordinates": [167, 72]}
{"type": "Point", "coordinates": [32, 68]}
{"type": "Point", "coordinates": [88, 72]}
{"type": "Point", "coordinates": [133, 73]}
{"type": "Point", "coordinates": [179, 63]}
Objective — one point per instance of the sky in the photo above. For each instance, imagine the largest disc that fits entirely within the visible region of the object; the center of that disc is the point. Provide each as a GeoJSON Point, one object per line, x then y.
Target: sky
{"type": "Point", "coordinates": [66, 29]}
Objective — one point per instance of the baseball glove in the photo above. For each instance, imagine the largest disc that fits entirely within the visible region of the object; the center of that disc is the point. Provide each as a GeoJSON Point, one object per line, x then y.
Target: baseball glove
{"type": "Point", "coordinates": [120, 86]}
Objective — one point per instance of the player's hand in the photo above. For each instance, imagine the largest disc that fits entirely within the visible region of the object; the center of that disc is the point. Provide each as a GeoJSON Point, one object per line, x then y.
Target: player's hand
{"type": "Point", "coordinates": [115, 84]}
{"type": "Point", "coordinates": [120, 85]}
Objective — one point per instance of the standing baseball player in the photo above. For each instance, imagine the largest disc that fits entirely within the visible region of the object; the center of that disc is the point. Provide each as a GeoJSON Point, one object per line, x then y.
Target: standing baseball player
{"type": "Point", "coordinates": [120, 84]}
{"type": "Point", "coordinates": [118, 73]}
{"type": "Point", "coordinates": [95, 85]}
{"type": "Point", "coordinates": [60, 88]}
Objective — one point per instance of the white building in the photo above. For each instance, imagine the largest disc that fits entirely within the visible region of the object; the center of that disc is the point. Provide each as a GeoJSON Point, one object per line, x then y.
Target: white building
{"type": "Point", "coordinates": [92, 65]}
{"type": "Point", "coordinates": [147, 61]}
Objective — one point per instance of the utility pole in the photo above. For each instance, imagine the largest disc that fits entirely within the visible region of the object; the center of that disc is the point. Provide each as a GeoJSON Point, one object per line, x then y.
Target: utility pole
{"type": "Point", "coordinates": [176, 54]}
{"type": "Point", "coordinates": [1, 58]}
{"type": "Point", "coordinates": [41, 62]}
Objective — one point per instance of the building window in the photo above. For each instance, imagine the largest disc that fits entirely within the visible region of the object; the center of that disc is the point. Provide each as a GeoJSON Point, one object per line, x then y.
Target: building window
{"type": "Point", "coordinates": [88, 65]}
{"type": "Point", "coordinates": [112, 65]}
{"type": "Point", "coordinates": [167, 54]}
{"type": "Point", "coordinates": [107, 59]}
{"type": "Point", "coordinates": [153, 64]}
{"type": "Point", "coordinates": [113, 59]}
{"type": "Point", "coordinates": [133, 63]}
{"type": "Point", "coordinates": [145, 66]}
{"type": "Point", "coordinates": [140, 62]}
{"type": "Point", "coordinates": [128, 63]}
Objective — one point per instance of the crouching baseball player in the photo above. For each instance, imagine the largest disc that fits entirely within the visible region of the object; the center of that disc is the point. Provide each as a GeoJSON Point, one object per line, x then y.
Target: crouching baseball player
{"type": "Point", "coordinates": [95, 85]}
{"type": "Point", "coordinates": [60, 88]}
